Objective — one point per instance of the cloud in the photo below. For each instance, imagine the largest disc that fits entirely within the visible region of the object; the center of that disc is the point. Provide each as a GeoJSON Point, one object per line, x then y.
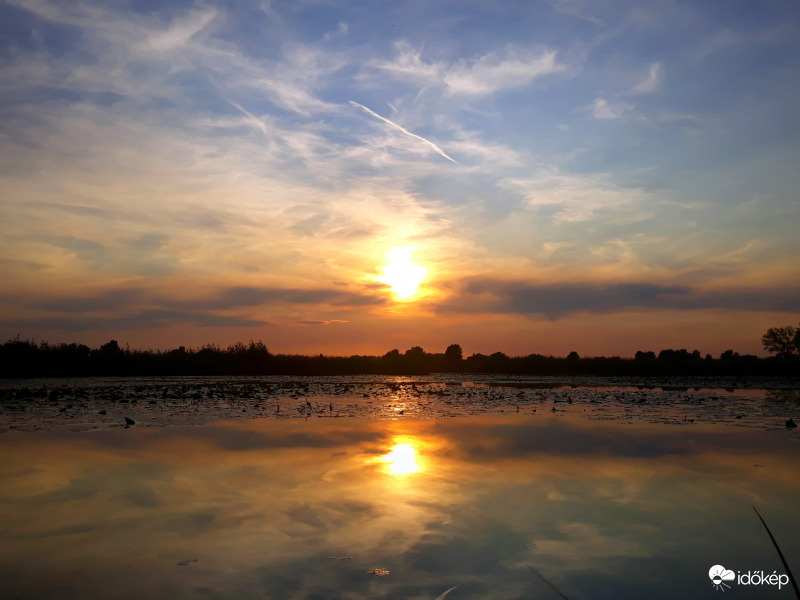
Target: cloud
{"type": "Point", "coordinates": [603, 109]}
{"type": "Point", "coordinates": [730, 39]}
{"type": "Point", "coordinates": [104, 300]}
{"type": "Point", "coordinates": [180, 31]}
{"type": "Point", "coordinates": [309, 226]}
{"type": "Point", "coordinates": [575, 8]}
{"type": "Point", "coordinates": [500, 70]}
{"type": "Point", "coordinates": [487, 74]}
{"type": "Point", "coordinates": [245, 296]}
{"type": "Point", "coordinates": [137, 56]}
{"type": "Point", "coordinates": [433, 146]}
{"type": "Point", "coordinates": [134, 308]}
{"type": "Point", "coordinates": [144, 319]}
{"type": "Point", "coordinates": [654, 79]}
{"type": "Point", "coordinates": [488, 154]}
{"type": "Point", "coordinates": [556, 300]}
{"type": "Point", "coordinates": [342, 30]}
{"type": "Point", "coordinates": [569, 197]}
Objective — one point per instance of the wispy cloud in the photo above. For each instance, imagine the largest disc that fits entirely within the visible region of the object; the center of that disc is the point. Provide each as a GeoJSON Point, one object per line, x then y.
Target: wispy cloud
{"type": "Point", "coordinates": [500, 70]}
{"type": "Point", "coordinates": [401, 129]}
{"type": "Point", "coordinates": [571, 198]}
{"type": "Point", "coordinates": [651, 83]}
{"type": "Point", "coordinates": [341, 30]}
{"type": "Point", "coordinates": [603, 109]}
{"type": "Point", "coordinates": [180, 31]}
{"type": "Point", "coordinates": [575, 8]}
{"type": "Point", "coordinates": [492, 72]}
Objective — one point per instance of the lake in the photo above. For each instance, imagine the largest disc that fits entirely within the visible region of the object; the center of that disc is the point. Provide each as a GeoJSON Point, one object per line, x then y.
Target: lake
{"type": "Point", "coordinates": [497, 504]}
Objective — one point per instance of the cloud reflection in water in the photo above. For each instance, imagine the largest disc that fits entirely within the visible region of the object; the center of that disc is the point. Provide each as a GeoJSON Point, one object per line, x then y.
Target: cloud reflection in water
{"type": "Point", "coordinates": [305, 509]}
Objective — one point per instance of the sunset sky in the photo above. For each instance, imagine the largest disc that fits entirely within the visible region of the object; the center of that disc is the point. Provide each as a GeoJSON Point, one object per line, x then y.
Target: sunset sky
{"type": "Point", "coordinates": [352, 177]}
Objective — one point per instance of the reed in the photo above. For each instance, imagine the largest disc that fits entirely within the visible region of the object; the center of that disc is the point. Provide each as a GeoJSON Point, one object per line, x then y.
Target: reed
{"type": "Point", "coordinates": [542, 577]}
{"type": "Point", "coordinates": [778, 548]}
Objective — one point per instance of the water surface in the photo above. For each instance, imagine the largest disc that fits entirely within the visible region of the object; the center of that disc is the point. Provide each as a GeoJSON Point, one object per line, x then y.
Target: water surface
{"type": "Point", "coordinates": [405, 509]}
{"type": "Point", "coordinates": [81, 404]}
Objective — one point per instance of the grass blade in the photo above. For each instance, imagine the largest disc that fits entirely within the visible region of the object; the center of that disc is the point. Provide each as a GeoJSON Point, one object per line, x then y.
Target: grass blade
{"type": "Point", "coordinates": [554, 588]}
{"type": "Point", "coordinates": [442, 596]}
{"type": "Point", "coordinates": [783, 560]}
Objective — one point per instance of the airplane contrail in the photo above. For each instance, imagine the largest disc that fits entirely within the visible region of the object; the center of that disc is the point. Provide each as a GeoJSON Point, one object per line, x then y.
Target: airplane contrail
{"type": "Point", "coordinates": [404, 130]}
{"type": "Point", "coordinates": [256, 121]}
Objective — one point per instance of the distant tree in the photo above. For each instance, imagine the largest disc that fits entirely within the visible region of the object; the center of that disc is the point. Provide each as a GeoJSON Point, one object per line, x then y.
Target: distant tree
{"type": "Point", "coordinates": [679, 355]}
{"type": "Point", "coordinates": [109, 359]}
{"type": "Point", "coordinates": [783, 342]}
{"type": "Point", "coordinates": [649, 355]}
{"type": "Point", "coordinates": [415, 352]}
{"type": "Point", "coordinates": [111, 347]}
{"type": "Point", "coordinates": [573, 355]}
{"type": "Point", "coordinates": [454, 352]}
{"type": "Point", "coordinates": [392, 354]}
{"type": "Point", "coordinates": [729, 355]}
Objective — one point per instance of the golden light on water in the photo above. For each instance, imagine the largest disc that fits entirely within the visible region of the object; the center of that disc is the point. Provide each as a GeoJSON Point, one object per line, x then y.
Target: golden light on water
{"type": "Point", "coordinates": [402, 274]}
{"type": "Point", "coordinates": [402, 460]}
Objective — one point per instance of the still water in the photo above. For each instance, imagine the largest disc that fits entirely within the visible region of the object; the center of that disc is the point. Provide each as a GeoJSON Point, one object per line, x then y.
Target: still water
{"type": "Point", "coordinates": [405, 509]}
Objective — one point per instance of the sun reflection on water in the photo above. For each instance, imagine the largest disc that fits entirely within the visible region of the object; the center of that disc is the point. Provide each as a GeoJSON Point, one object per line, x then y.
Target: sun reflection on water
{"type": "Point", "coordinates": [402, 459]}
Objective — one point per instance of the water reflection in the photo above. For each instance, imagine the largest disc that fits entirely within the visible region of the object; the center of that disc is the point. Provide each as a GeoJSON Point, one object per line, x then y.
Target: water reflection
{"type": "Point", "coordinates": [402, 460]}
{"type": "Point", "coordinates": [307, 509]}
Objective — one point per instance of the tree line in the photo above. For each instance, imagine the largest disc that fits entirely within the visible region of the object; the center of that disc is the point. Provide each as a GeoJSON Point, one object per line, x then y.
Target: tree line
{"type": "Point", "coordinates": [25, 358]}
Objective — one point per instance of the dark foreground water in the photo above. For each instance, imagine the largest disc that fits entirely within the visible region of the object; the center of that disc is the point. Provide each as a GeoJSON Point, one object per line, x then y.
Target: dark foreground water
{"type": "Point", "coordinates": [357, 509]}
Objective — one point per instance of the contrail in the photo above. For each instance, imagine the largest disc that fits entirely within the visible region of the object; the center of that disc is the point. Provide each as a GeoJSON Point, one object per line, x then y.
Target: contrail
{"type": "Point", "coordinates": [404, 130]}
{"type": "Point", "coordinates": [256, 121]}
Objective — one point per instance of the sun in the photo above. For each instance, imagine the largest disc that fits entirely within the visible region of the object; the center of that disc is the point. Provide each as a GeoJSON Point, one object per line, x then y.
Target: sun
{"type": "Point", "coordinates": [402, 274]}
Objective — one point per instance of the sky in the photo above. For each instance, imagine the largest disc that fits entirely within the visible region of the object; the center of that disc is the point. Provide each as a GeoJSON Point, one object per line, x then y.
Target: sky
{"type": "Point", "coordinates": [353, 177]}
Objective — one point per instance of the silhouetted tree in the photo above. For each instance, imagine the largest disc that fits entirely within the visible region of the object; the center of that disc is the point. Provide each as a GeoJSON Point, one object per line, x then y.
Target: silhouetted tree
{"type": "Point", "coordinates": [109, 359]}
{"type": "Point", "coordinates": [454, 352]}
{"type": "Point", "coordinates": [681, 355]}
{"type": "Point", "coordinates": [20, 358]}
{"type": "Point", "coordinates": [415, 352]}
{"type": "Point", "coordinates": [415, 361]}
{"type": "Point", "coordinates": [783, 342]}
{"type": "Point", "coordinates": [111, 347]}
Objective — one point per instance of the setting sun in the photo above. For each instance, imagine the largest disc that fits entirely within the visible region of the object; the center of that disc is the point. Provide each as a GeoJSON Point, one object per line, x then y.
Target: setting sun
{"type": "Point", "coordinates": [402, 274]}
